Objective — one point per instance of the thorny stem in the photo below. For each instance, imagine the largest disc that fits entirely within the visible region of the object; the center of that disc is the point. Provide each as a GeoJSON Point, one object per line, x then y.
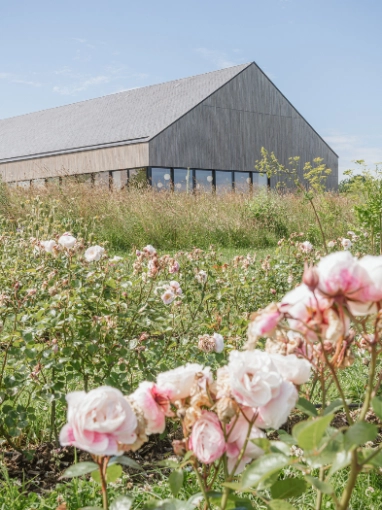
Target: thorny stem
{"type": "Point", "coordinates": [319, 493]}
{"type": "Point", "coordinates": [354, 471]}
{"type": "Point", "coordinates": [201, 485]}
{"type": "Point", "coordinates": [369, 391]}
{"type": "Point", "coordinates": [102, 464]}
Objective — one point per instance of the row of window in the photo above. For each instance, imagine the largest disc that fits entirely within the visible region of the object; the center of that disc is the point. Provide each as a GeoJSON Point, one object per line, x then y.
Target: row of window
{"type": "Point", "coordinates": [186, 180]}
{"type": "Point", "coordinates": [177, 179]}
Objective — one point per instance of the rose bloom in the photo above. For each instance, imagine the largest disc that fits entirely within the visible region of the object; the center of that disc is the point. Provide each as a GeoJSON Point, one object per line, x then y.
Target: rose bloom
{"type": "Point", "coordinates": [331, 244]}
{"type": "Point", "coordinates": [276, 412]}
{"type": "Point", "coordinates": [94, 253]}
{"type": "Point", "coordinates": [346, 243]}
{"type": "Point", "coordinates": [155, 406]}
{"type": "Point", "coordinates": [168, 296]}
{"type": "Point", "coordinates": [219, 342]}
{"type": "Point", "coordinates": [175, 287]}
{"type": "Point", "coordinates": [207, 438]}
{"type": "Point", "coordinates": [254, 378]}
{"type": "Point", "coordinates": [177, 383]}
{"type": "Point", "coordinates": [306, 247]}
{"type": "Point", "coordinates": [293, 369]}
{"type": "Point", "coordinates": [235, 443]}
{"type": "Point", "coordinates": [99, 422]}
{"type": "Point", "coordinates": [174, 267]}
{"type": "Point", "coordinates": [67, 240]}
{"type": "Point", "coordinates": [264, 323]}
{"type": "Point", "coordinates": [116, 258]}
{"type": "Point", "coordinates": [201, 276]}
{"type": "Point", "coordinates": [149, 250]}
{"type": "Point", "coordinates": [359, 281]}
{"type": "Point", "coordinates": [48, 245]}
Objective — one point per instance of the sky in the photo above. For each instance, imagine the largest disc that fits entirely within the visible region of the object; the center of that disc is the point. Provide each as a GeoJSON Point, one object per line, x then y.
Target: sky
{"type": "Point", "coordinates": [324, 55]}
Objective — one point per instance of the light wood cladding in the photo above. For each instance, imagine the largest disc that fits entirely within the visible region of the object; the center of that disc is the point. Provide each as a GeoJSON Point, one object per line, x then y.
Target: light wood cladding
{"type": "Point", "coordinates": [76, 163]}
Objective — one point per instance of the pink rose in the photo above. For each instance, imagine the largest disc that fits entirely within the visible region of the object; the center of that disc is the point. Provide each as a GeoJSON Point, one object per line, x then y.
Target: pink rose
{"type": "Point", "coordinates": [177, 383]}
{"type": "Point", "coordinates": [155, 406]}
{"type": "Point", "coordinates": [237, 432]}
{"type": "Point", "coordinates": [264, 323]}
{"type": "Point", "coordinates": [207, 438]}
{"type": "Point", "coordinates": [276, 412]}
{"type": "Point", "coordinates": [99, 421]}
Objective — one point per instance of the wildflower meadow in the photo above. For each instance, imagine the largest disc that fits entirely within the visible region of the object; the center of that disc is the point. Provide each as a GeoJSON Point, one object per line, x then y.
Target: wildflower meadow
{"type": "Point", "coordinates": [189, 378]}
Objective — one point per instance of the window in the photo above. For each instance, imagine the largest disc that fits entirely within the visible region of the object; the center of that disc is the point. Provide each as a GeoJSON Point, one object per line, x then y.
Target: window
{"type": "Point", "coordinates": [260, 180]}
{"type": "Point", "coordinates": [182, 180]}
{"type": "Point", "coordinates": [161, 179]}
{"type": "Point", "coordinates": [242, 182]}
{"type": "Point", "coordinates": [223, 181]}
{"type": "Point", "coordinates": [119, 179]}
{"type": "Point", "coordinates": [203, 180]}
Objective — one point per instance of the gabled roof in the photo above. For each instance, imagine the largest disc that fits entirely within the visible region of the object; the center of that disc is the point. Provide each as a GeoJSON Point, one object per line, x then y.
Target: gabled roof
{"type": "Point", "coordinates": [131, 116]}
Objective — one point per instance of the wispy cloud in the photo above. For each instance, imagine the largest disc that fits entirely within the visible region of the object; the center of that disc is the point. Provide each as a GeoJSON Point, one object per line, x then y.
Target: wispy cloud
{"type": "Point", "coordinates": [80, 86]}
{"type": "Point", "coordinates": [217, 58]}
{"type": "Point", "coordinates": [13, 78]}
{"type": "Point", "coordinates": [353, 147]}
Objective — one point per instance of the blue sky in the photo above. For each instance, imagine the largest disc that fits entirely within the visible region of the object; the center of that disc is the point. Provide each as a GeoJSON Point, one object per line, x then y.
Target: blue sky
{"type": "Point", "coordinates": [324, 55]}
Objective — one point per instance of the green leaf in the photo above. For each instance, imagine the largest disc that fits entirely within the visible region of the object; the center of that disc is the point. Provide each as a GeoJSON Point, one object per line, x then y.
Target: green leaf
{"type": "Point", "coordinates": [377, 406]}
{"type": "Point", "coordinates": [263, 468]}
{"type": "Point", "coordinates": [176, 481]}
{"type": "Point", "coordinates": [323, 487]}
{"type": "Point", "coordinates": [333, 406]}
{"type": "Point", "coordinates": [286, 438]}
{"type": "Point", "coordinates": [341, 461]}
{"type": "Point", "coordinates": [309, 433]}
{"type": "Point", "coordinates": [263, 443]}
{"type": "Point", "coordinates": [279, 504]}
{"type": "Point", "coordinates": [306, 407]}
{"type": "Point", "coordinates": [113, 472]}
{"type": "Point", "coordinates": [360, 433]}
{"type": "Point", "coordinates": [82, 468]}
{"type": "Point", "coordinates": [121, 503]}
{"type": "Point", "coordinates": [125, 461]}
{"type": "Point", "coordinates": [289, 488]}
{"type": "Point", "coordinates": [280, 447]}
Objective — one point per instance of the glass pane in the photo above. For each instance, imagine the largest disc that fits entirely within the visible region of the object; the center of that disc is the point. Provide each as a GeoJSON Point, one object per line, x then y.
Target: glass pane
{"type": "Point", "coordinates": [161, 179]}
{"type": "Point", "coordinates": [100, 179]}
{"type": "Point", "coordinates": [203, 180]}
{"type": "Point", "coordinates": [138, 178]}
{"type": "Point", "coordinates": [182, 180]}
{"type": "Point", "coordinates": [242, 182]}
{"type": "Point", "coordinates": [260, 180]}
{"type": "Point", "coordinates": [119, 179]}
{"type": "Point", "coordinates": [223, 182]}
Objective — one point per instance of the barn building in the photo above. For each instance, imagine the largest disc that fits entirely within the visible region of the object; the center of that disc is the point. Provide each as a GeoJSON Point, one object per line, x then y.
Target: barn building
{"type": "Point", "coordinates": [206, 130]}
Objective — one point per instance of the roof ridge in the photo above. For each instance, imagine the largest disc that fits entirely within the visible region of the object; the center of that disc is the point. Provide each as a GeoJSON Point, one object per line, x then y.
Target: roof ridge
{"type": "Point", "coordinates": [247, 64]}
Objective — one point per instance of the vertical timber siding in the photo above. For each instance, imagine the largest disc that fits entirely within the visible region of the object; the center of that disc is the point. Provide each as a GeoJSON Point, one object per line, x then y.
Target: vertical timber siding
{"type": "Point", "coordinates": [76, 163]}
{"type": "Point", "coordinates": [227, 130]}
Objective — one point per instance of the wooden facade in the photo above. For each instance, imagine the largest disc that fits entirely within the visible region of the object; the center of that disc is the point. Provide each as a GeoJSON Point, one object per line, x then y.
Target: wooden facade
{"type": "Point", "coordinates": [229, 128]}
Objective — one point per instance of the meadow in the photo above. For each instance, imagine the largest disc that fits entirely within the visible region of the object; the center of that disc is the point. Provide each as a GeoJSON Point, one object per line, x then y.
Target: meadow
{"type": "Point", "coordinates": [118, 289]}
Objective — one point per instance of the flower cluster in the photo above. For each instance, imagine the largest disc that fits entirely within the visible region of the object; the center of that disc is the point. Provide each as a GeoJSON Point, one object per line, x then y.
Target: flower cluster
{"type": "Point", "coordinates": [253, 392]}
{"type": "Point", "coordinates": [319, 310]}
{"type": "Point", "coordinates": [172, 290]}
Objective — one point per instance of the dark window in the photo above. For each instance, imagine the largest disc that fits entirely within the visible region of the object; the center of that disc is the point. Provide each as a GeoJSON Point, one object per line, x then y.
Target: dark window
{"type": "Point", "coordinates": [223, 182]}
{"type": "Point", "coordinates": [242, 182]}
{"type": "Point", "coordinates": [203, 180]}
{"type": "Point", "coordinates": [182, 180]}
{"type": "Point", "coordinates": [161, 179]}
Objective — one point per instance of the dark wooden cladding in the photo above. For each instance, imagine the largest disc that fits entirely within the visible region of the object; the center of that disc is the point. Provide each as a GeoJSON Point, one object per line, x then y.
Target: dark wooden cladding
{"type": "Point", "coordinates": [227, 130]}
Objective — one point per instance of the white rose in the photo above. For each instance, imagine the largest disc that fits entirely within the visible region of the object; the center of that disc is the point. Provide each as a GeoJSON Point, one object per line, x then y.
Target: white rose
{"type": "Point", "coordinates": [219, 342]}
{"type": "Point", "coordinates": [254, 378]}
{"type": "Point", "coordinates": [67, 240]}
{"type": "Point", "coordinates": [306, 247]}
{"type": "Point", "coordinates": [276, 412]}
{"type": "Point", "coordinates": [99, 422]}
{"type": "Point", "coordinates": [177, 383]}
{"type": "Point", "coordinates": [346, 244]}
{"type": "Point", "coordinates": [48, 245]}
{"type": "Point", "coordinates": [94, 253]}
{"type": "Point", "coordinates": [292, 368]}
{"type": "Point", "coordinates": [121, 503]}
{"type": "Point", "coordinates": [168, 297]}
{"type": "Point", "coordinates": [116, 258]}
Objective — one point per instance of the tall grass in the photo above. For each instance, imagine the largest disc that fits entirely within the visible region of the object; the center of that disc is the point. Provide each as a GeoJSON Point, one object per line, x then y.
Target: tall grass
{"type": "Point", "coordinates": [180, 221]}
